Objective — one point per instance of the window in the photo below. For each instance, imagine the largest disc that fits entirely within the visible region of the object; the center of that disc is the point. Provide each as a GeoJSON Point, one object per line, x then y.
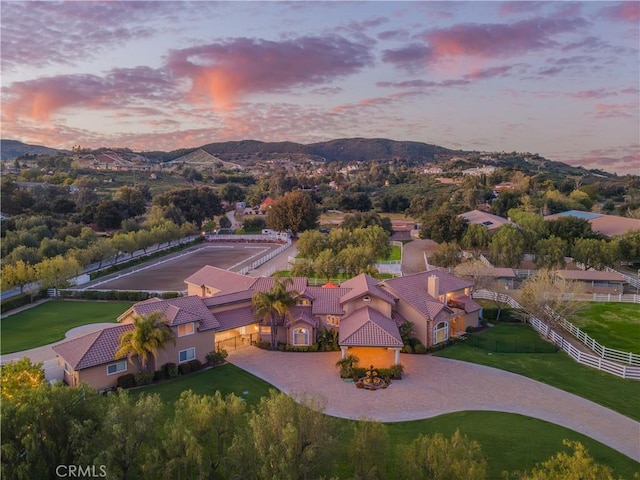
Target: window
{"type": "Point", "coordinates": [116, 367]}
{"type": "Point", "coordinates": [186, 329]}
{"type": "Point", "coordinates": [301, 336]}
{"type": "Point", "coordinates": [440, 332]}
{"type": "Point", "coordinates": [186, 355]}
{"type": "Point", "coordinates": [303, 301]}
{"type": "Point", "coordinates": [68, 369]}
{"type": "Point", "coordinates": [366, 299]}
{"type": "Point", "coordinates": [266, 330]}
{"type": "Point", "coordinates": [333, 320]}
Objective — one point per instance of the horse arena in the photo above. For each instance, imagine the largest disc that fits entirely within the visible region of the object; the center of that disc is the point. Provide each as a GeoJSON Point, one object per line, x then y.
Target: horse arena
{"type": "Point", "coordinates": [169, 273]}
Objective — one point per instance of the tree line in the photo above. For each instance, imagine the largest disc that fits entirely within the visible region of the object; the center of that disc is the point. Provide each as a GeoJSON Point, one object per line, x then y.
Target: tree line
{"type": "Point", "coordinates": [210, 436]}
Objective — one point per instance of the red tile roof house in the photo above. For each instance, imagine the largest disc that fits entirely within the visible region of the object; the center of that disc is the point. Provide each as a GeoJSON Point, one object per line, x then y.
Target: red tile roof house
{"type": "Point", "coordinates": [218, 309]}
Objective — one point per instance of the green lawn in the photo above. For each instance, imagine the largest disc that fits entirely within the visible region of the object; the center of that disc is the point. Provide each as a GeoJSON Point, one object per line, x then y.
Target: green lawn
{"type": "Point", "coordinates": [226, 378]}
{"type": "Point", "coordinates": [558, 370]}
{"type": "Point", "coordinates": [396, 253]}
{"type": "Point", "coordinates": [509, 441]}
{"type": "Point", "coordinates": [614, 325]}
{"type": "Point", "coordinates": [48, 322]}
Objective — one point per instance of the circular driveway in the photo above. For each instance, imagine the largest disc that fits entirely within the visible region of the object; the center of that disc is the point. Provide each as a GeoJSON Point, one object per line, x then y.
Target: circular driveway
{"type": "Point", "coordinates": [433, 386]}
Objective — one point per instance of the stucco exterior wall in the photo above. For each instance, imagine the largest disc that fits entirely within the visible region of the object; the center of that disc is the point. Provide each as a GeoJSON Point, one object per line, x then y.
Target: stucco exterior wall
{"type": "Point", "coordinates": [415, 317]}
{"type": "Point", "coordinates": [203, 342]}
{"type": "Point", "coordinates": [98, 378]}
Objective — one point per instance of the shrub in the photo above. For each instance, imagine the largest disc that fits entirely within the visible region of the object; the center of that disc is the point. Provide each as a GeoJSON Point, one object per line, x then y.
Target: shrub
{"type": "Point", "coordinates": [263, 344]}
{"type": "Point", "coordinates": [282, 346]}
{"type": "Point", "coordinates": [158, 375]}
{"type": "Point", "coordinates": [166, 295]}
{"type": "Point", "coordinates": [143, 378]}
{"type": "Point", "coordinates": [127, 381]}
{"type": "Point", "coordinates": [407, 349]}
{"type": "Point", "coordinates": [184, 368]}
{"type": "Point", "coordinates": [358, 372]}
{"type": "Point", "coordinates": [195, 365]}
{"type": "Point", "coordinates": [384, 373]}
{"type": "Point", "coordinates": [170, 370]}
{"type": "Point", "coordinates": [420, 348]}
{"type": "Point", "coordinates": [396, 371]}
{"type": "Point", "coordinates": [20, 300]}
{"type": "Point", "coordinates": [217, 357]}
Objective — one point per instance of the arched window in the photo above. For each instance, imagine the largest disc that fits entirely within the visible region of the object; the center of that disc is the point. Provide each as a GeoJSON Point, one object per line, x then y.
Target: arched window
{"type": "Point", "coordinates": [440, 332]}
{"type": "Point", "coordinates": [301, 336]}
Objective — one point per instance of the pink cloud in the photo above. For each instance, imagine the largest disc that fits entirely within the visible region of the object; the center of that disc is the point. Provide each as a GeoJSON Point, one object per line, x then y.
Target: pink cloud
{"type": "Point", "coordinates": [623, 11]}
{"type": "Point", "coordinates": [517, 8]}
{"type": "Point", "coordinates": [605, 111]}
{"type": "Point", "coordinates": [225, 71]}
{"type": "Point", "coordinates": [590, 94]}
{"type": "Point", "coordinates": [497, 40]}
{"type": "Point", "coordinates": [42, 97]}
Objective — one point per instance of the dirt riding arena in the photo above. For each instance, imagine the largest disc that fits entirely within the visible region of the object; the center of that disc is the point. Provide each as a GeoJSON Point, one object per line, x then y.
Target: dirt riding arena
{"type": "Point", "coordinates": [169, 273]}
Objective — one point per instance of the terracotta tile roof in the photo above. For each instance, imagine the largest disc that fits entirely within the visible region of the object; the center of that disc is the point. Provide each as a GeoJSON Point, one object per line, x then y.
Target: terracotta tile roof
{"type": "Point", "coordinates": [469, 304]}
{"type": "Point", "coordinates": [364, 284]}
{"type": "Point", "coordinates": [329, 285]}
{"type": "Point", "coordinates": [327, 300]}
{"type": "Point", "coordinates": [93, 349]}
{"type": "Point", "coordinates": [591, 275]}
{"type": "Point", "coordinates": [180, 310]}
{"type": "Point", "coordinates": [413, 290]}
{"type": "Point", "coordinates": [220, 279]}
{"type": "Point", "coordinates": [301, 313]}
{"type": "Point", "coordinates": [263, 284]}
{"type": "Point", "coordinates": [235, 318]}
{"type": "Point", "coordinates": [367, 327]}
{"type": "Point", "coordinates": [222, 299]}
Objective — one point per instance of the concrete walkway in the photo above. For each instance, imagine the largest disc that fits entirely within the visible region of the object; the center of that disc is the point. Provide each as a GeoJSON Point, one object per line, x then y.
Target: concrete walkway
{"type": "Point", "coordinates": [434, 386]}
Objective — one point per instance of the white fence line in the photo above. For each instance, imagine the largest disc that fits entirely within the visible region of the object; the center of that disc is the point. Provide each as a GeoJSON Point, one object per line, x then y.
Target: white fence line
{"type": "Point", "coordinates": [606, 359]}
{"type": "Point", "coordinates": [634, 282]}
{"type": "Point", "coordinates": [270, 255]}
{"type": "Point", "coordinates": [244, 238]}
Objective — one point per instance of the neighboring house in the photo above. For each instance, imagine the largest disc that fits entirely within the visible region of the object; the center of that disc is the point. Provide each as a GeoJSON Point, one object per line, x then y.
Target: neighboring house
{"type": "Point", "coordinates": [607, 225]}
{"type": "Point", "coordinates": [266, 204]}
{"type": "Point", "coordinates": [596, 281]}
{"type": "Point", "coordinates": [478, 217]}
{"type": "Point", "coordinates": [218, 311]}
{"type": "Point", "coordinates": [477, 171]}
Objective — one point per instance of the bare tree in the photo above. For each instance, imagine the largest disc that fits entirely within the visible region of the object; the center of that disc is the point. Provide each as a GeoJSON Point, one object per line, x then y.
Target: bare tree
{"type": "Point", "coordinates": [548, 297]}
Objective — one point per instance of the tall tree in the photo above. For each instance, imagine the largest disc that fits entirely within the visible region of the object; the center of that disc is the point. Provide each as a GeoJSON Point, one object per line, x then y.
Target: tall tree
{"type": "Point", "coordinates": [296, 211]}
{"type": "Point", "coordinates": [550, 253]}
{"type": "Point", "coordinates": [311, 243]}
{"type": "Point", "coordinates": [150, 333]}
{"type": "Point", "coordinates": [446, 255]}
{"type": "Point", "coordinates": [507, 246]}
{"type": "Point", "coordinates": [273, 306]}
{"type": "Point", "coordinates": [596, 254]}
{"type": "Point", "coordinates": [439, 458]}
{"type": "Point", "coordinates": [55, 272]}
{"type": "Point", "coordinates": [20, 375]}
{"type": "Point", "coordinates": [629, 246]}
{"type": "Point", "coordinates": [369, 450]}
{"type": "Point", "coordinates": [546, 294]}
{"type": "Point", "coordinates": [196, 440]}
{"type": "Point", "coordinates": [578, 465]}
{"type": "Point", "coordinates": [286, 440]}
{"type": "Point", "coordinates": [443, 225]}
{"type": "Point", "coordinates": [326, 264]}
{"type": "Point", "coordinates": [476, 238]}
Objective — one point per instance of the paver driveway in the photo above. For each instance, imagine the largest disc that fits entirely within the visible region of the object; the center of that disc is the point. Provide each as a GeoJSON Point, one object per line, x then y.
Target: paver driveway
{"type": "Point", "coordinates": [434, 386]}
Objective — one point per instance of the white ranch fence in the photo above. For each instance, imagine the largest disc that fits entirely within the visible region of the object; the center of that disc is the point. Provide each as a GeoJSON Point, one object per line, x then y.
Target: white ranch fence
{"type": "Point", "coordinates": [615, 362]}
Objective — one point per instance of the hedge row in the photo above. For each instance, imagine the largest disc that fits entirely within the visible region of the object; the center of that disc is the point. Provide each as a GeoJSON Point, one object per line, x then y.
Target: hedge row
{"type": "Point", "coordinates": [20, 300]}
{"type": "Point", "coordinates": [168, 370]}
{"type": "Point", "coordinates": [115, 295]}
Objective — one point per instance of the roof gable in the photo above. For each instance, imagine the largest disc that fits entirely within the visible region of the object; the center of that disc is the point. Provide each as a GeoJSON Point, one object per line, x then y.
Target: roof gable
{"type": "Point", "coordinates": [181, 310]}
{"type": "Point", "coordinates": [364, 284]}
{"type": "Point", "coordinates": [93, 349]}
{"type": "Point", "coordinates": [367, 327]}
{"type": "Point", "coordinates": [220, 279]}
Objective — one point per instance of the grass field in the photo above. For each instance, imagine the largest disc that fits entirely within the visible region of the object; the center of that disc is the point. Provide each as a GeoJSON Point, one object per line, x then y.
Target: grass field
{"type": "Point", "coordinates": [614, 325]}
{"type": "Point", "coordinates": [555, 369]}
{"type": "Point", "coordinates": [510, 442]}
{"type": "Point", "coordinates": [48, 322]}
{"type": "Point", "coordinates": [396, 253]}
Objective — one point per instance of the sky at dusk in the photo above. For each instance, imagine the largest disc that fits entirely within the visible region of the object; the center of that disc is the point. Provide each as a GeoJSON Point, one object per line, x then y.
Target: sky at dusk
{"type": "Point", "coordinates": [556, 78]}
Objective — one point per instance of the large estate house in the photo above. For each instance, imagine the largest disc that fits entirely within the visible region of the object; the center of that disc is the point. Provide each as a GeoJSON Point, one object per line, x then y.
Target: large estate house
{"type": "Point", "coordinates": [218, 308]}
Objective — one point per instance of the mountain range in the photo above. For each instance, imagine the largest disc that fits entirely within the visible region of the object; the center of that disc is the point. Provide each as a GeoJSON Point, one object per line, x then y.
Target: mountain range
{"type": "Point", "coordinates": [345, 150]}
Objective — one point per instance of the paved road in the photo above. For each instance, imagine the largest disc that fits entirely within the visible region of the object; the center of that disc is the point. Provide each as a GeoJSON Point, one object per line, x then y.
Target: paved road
{"type": "Point", "coordinates": [434, 386]}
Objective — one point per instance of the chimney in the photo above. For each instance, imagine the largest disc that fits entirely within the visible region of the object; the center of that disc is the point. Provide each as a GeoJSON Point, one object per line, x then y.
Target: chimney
{"type": "Point", "coordinates": [433, 286]}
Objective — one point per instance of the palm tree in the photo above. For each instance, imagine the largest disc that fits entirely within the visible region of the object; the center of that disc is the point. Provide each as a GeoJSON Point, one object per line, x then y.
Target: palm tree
{"type": "Point", "coordinates": [274, 306]}
{"type": "Point", "coordinates": [150, 334]}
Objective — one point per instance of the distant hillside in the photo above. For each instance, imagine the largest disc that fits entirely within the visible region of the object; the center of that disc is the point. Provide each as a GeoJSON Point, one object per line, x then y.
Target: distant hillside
{"type": "Point", "coordinates": [344, 150]}
{"type": "Point", "coordinates": [10, 149]}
